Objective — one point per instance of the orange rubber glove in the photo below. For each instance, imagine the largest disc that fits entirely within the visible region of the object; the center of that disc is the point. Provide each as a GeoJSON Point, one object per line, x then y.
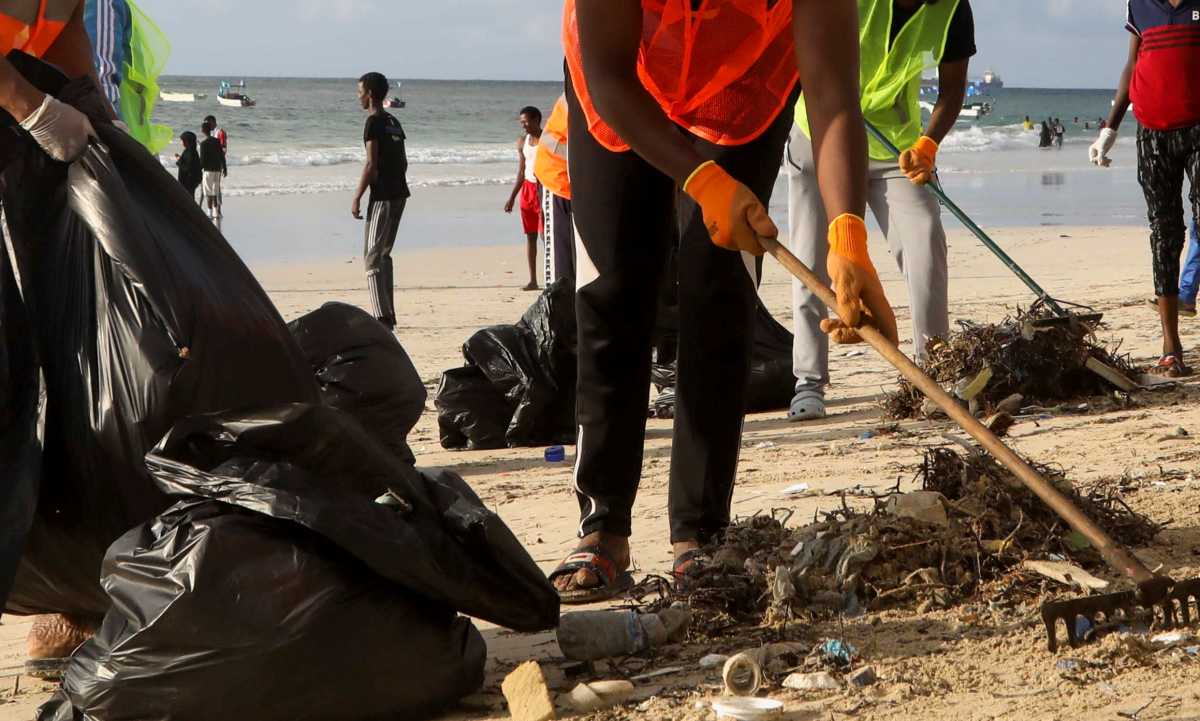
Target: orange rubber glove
{"type": "Point", "coordinates": [919, 161]}
{"type": "Point", "coordinates": [732, 213]}
{"type": "Point", "coordinates": [856, 284]}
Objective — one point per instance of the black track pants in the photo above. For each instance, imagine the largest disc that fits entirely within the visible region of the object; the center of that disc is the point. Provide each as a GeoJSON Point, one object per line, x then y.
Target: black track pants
{"type": "Point", "coordinates": [1164, 157]}
{"type": "Point", "coordinates": [625, 217]}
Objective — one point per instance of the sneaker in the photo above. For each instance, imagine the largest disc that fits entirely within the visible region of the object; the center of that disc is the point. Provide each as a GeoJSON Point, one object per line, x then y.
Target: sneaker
{"type": "Point", "coordinates": [807, 405]}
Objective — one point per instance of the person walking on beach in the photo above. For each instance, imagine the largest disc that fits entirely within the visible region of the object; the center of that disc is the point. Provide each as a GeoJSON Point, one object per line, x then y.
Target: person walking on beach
{"type": "Point", "coordinates": [385, 173]}
{"type": "Point", "coordinates": [552, 175]}
{"type": "Point", "coordinates": [1046, 137]}
{"type": "Point", "coordinates": [638, 137]}
{"type": "Point", "coordinates": [893, 35]}
{"type": "Point", "coordinates": [212, 162]}
{"type": "Point", "coordinates": [525, 192]}
{"type": "Point", "coordinates": [1164, 44]}
{"type": "Point", "coordinates": [1059, 133]}
{"type": "Point", "coordinates": [188, 162]}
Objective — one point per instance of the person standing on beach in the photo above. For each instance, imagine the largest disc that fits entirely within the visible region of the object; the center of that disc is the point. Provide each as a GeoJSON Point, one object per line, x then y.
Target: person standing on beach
{"type": "Point", "coordinates": [893, 35]}
{"type": "Point", "coordinates": [639, 135]}
{"type": "Point", "coordinates": [386, 175]}
{"type": "Point", "coordinates": [212, 162]}
{"type": "Point", "coordinates": [525, 193]}
{"type": "Point", "coordinates": [552, 175]}
{"type": "Point", "coordinates": [188, 162]}
{"type": "Point", "coordinates": [1164, 47]}
{"type": "Point", "coordinates": [218, 133]}
{"type": "Point", "coordinates": [1059, 133]}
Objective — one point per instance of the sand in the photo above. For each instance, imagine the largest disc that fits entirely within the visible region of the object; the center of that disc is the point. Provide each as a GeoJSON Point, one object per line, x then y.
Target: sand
{"type": "Point", "coordinates": [944, 665]}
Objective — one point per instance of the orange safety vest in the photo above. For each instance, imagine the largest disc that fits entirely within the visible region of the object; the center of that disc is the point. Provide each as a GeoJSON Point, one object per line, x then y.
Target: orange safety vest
{"type": "Point", "coordinates": [32, 26]}
{"type": "Point", "coordinates": [724, 71]}
{"type": "Point", "coordinates": [551, 164]}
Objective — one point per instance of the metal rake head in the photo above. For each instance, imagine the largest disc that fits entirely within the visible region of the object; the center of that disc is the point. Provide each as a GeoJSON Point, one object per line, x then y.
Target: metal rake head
{"type": "Point", "coordinates": [1161, 601]}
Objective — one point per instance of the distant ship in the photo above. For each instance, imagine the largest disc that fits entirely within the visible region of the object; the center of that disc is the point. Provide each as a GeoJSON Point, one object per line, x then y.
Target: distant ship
{"type": "Point", "coordinates": [991, 81]}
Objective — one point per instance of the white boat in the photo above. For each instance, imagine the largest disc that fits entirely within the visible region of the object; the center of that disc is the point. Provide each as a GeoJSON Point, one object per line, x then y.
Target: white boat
{"type": "Point", "coordinates": [231, 98]}
{"type": "Point", "coordinates": [177, 97]}
{"type": "Point", "coordinates": [975, 110]}
{"type": "Point", "coordinates": [241, 101]}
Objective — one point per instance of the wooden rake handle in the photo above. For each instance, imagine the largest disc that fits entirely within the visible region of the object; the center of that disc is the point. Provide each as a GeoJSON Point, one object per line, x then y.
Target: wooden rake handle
{"type": "Point", "coordinates": [1115, 555]}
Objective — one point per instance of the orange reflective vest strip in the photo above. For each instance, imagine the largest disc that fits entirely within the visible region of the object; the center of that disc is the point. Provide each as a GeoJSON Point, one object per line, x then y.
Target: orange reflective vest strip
{"type": "Point", "coordinates": [32, 26]}
{"type": "Point", "coordinates": [723, 69]}
{"type": "Point", "coordinates": [550, 167]}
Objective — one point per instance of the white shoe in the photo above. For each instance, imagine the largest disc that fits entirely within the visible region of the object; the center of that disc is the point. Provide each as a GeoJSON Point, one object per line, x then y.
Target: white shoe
{"type": "Point", "coordinates": [806, 405]}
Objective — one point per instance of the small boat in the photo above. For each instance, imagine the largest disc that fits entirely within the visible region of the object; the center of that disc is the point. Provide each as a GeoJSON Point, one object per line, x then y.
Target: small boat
{"type": "Point", "coordinates": [975, 110]}
{"type": "Point", "coordinates": [231, 98]}
{"type": "Point", "coordinates": [177, 97]}
{"type": "Point", "coordinates": [395, 101]}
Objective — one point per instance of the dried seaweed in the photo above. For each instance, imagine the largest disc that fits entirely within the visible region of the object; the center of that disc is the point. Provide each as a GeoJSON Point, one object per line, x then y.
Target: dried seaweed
{"type": "Point", "coordinates": [763, 574]}
{"type": "Point", "coordinates": [1043, 364]}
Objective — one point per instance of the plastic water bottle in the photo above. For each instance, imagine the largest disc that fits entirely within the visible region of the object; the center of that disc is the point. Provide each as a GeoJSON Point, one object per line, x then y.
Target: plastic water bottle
{"type": "Point", "coordinates": [593, 635]}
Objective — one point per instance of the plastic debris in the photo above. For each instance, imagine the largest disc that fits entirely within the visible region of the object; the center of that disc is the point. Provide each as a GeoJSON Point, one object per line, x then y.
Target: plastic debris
{"type": "Point", "coordinates": [927, 506]}
{"type": "Point", "coordinates": [555, 454]}
{"type": "Point", "coordinates": [819, 681]}
{"type": "Point", "coordinates": [596, 695]}
{"type": "Point", "coordinates": [742, 674]}
{"type": "Point", "coordinates": [713, 660]}
{"type": "Point", "coordinates": [863, 677]}
{"type": "Point", "coordinates": [838, 652]}
{"type": "Point", "coordinates": [1171, 637]}
{"type": "Point", "coordinates": [866, 435]}
{"type": "Point", "coordinates": [747, 709]}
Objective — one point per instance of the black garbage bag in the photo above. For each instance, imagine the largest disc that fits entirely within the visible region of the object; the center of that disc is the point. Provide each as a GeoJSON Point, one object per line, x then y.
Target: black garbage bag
{"type": "Point", "coordinates": [277, 588]}
{"type": "Point", "coordinates": [139, 314]}
{"type": "Point", "coordinates": [530, 367]}
{"type": "Point", "coordinates": [362, 369]}
{"type": "Point", "coordinates": [771, 382]}
{"type": "Point", "coordinates": [472, 414]}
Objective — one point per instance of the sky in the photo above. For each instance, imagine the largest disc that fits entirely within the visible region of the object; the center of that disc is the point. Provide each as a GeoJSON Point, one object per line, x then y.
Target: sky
{"type": "Point", "coordinates": [1030, 43]}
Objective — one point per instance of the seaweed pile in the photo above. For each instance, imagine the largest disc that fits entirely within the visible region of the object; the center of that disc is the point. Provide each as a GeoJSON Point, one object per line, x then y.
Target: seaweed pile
{"type": "Point", "coordinates": [986, 363]}
{"type": "Point", "coordinates": [984, 524]}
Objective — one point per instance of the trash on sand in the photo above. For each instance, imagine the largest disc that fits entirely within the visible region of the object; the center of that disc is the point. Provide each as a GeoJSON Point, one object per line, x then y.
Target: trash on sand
{"type": "Point", "coordinates": [742, 674]}
{"type": "Point", "coordinates": [1192, 650]}
{"type": "Point", "coordinates": [713, 660]}
{"type": "Point", "coordinates": [747, 709]}
{"type": "Point", "coordinates": [999, 423]}
{"type": "Point", "coordinates": [593, 635]}
{"type": "Point", "coordinates": [1083, 629]}
{"type": "Point", "coordinates": [527, 694]}
{"type": "Point", "coordinates": [1046, 367]}
{"type": "Point", "coordinates": [596, 695]}
{"type": "Point", "coordinates": [838, 652]}
{"type": "Point", "coordinates": [862, 677]}
{"type": "Point", "coordinates": [657, 673]}
{"type": "Point", "coordinates": [1066, 573]}
{"type": "Point", "coordinates": [1171, 637]}
{"type": "Point", "coordinates": [1069, 665]}
{"type": "Point", "coordinates": [555, 454]}
{"type": "Point", "coordinates": [762, 445]}
{"type": "Point", "coordinates": [819, 681]}
{"type": "Point", "coordinates": [797, 489]}
{"type": "Point", "coordinates": [866, 435]}
{"type": "Point", "coordinates": [927, 506]}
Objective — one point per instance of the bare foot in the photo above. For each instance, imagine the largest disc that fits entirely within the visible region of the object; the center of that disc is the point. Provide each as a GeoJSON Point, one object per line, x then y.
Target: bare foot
{"type": "Point", "coordinates": [615, 548]}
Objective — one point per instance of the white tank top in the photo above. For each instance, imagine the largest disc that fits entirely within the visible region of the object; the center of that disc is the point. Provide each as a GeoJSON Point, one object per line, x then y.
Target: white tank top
{"type": "Point", "coordinates": [530, 150]}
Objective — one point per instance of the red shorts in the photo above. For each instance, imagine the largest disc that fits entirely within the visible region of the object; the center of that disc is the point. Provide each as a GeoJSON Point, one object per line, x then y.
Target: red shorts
{"type": "Point", "coordinates": [530, 202]}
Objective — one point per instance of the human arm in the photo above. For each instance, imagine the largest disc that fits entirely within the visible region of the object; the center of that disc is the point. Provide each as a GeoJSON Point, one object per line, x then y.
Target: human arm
{"type": "Point", "coordinates": [512, 197]}
{"type": "Point", "coordinates": [829, 72]}
{"type": "Point", "coordinates": [1098, 152]}
{"type": "Point", "coordinates": [952, 91]}
{"type": "Point", "coordinates": [369, 172]}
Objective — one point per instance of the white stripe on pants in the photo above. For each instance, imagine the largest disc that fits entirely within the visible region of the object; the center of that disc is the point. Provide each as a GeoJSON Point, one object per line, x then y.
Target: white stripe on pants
{"type": "Point", "coordinates": [911, 221]}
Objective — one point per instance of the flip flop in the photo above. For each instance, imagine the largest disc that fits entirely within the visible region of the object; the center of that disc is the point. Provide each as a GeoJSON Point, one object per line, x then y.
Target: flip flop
{"type": "Point", "coordinates": [592, 558]}
{"type": "Point", "coordinates": [1171, 366]}
{"type": "Point", "coordinates": [694, 560]}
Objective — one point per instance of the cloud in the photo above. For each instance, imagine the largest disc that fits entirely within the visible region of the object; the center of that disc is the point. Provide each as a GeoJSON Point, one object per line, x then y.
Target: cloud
{"type": "Point", "coordinates": [341, 11]}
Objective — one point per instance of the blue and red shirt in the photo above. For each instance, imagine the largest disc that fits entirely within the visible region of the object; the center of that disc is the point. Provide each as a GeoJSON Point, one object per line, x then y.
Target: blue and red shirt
{"type": "Point", "coordinates": [1165, 88]}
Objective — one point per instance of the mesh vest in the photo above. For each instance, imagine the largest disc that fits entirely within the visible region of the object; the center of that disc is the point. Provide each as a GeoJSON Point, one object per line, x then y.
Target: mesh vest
{"type": "Point", "coordinates": [890, 74]}
{"type": "Point", "coordinates": [32, 26]}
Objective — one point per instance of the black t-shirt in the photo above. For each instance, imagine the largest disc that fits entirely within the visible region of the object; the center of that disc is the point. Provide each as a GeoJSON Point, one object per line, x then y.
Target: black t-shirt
{"type": "Point", "coordinates": [390, 182]}
{"type": "Point", "coordinates": [212, 157]}
{"type": "Point", "coordinates": [960, 42]}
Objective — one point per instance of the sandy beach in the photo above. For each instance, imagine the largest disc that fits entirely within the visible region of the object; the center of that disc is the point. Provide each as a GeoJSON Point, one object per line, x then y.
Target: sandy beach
{"type": "Point", "coordinates": [939, 665]}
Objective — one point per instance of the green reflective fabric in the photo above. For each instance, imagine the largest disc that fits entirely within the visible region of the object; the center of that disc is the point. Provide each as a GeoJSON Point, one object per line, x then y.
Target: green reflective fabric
{"type": "Point", "coordinates": [148, 53]}
{"type": "Point", "coordinates": [890, 76]}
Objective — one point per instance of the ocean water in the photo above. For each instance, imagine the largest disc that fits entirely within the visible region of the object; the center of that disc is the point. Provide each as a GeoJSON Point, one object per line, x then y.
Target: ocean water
{"type": "Point", "coordinates": [305, 136]}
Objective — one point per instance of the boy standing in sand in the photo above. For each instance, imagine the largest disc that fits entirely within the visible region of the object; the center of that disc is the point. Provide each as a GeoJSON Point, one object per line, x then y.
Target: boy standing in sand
{"type": "Point", "coordinates": [526, 187]}
{"type": "Point", "coordinates": [212, 162]}
{"type": "Point", "coordinates": [385, 173]}
{"type": "Point", "coordinates": [1164, 54]}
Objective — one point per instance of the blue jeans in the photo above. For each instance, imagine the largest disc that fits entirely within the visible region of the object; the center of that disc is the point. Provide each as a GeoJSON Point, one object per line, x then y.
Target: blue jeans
{"type": "Point", "coordinates": [1191, 269]}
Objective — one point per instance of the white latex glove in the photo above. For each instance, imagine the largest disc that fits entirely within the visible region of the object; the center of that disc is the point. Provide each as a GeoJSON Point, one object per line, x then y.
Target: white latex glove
{"type": "Point", "coordinates": [1098, 153]}
{"type": "Point", "coordinates": [60, 129]}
